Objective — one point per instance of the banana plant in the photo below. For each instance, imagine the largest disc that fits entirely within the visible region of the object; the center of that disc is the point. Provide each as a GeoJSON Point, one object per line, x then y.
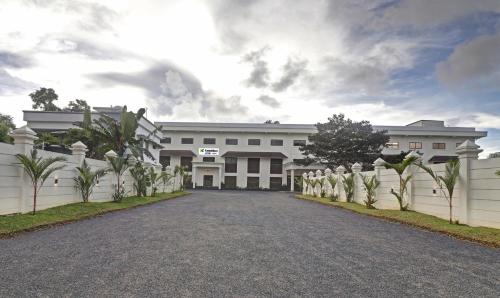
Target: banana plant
{"type": "Point", "coordinates": [400, 168]}
{"type": "Point", "coordinates": [371, 184]}
{"type": "Point", "coordinates": [448, 181]}
{"type": "Point", "coordinates": [141, 179]}
{"type": "Point", "coordinates": [348, 184]}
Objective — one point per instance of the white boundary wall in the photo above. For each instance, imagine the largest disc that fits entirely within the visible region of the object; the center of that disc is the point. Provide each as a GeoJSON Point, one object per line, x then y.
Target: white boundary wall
{"type": "Point", "coordinates": [476, 199]}
{"type": "Point", "coordinates": [16, 192]}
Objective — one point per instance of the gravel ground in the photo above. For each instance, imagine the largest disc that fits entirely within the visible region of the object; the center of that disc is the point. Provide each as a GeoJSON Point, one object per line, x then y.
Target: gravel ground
{"type": "Point", "coordinates": [243, 244]}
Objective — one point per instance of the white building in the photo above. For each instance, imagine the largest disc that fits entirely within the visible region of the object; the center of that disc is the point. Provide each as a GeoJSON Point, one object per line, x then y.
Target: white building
{"type": "Point", "coordinates": [258, 155]}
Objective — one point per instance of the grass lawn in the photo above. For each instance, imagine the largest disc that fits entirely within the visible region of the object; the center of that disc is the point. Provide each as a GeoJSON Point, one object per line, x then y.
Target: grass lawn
{"type": "Point", "coordinates": [488, 236]}
{"type": "Point", "coordinates": [11, 224]}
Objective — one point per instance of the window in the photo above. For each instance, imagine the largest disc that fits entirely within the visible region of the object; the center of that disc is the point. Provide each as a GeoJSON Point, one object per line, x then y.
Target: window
{"type": "Point", "coordinates": [415, 145]}
{"type": "Point", "coordinates": [393, 145]}
{"type": "Point", "coordinates": [231, 165]}
{"type": "Point", "coordinates": [230, 182]}
{"type": "Point", "coordinates": [299, 142]}
{"type": "Point", "coordinates": [275, 142]}
{"type": "Point", "coordinates": [275, 183]}
{"type": "Point", "coordinates": [231, 141]}
{"type": "Point", "coordinates": [253, 182]}
{"type": "Point", "coordinates": [209, 141]}
{"type": "Point", "coordinates": [165, 162]}
{"type": "Point", "coordinates": [439, 146]}
{"type": "Point", "coordinates": [166, 141]}
{"type": "Point", "coordinates": [254, 165]}
{"type": "Point", "coordinates": [187, 162]}
{"type": "Point", "coordinates": [209, 159]}
{"type": "Point", "coordinates": [276, 166]}
{"type": "Point", "coordinates": [254, 142]}
{"type": "Point", "coordinates": [187, 141]}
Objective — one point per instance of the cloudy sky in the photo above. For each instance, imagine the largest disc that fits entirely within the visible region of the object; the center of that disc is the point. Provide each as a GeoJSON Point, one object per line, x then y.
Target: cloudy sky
{"type": "Point", "coordinates": [387, 61]}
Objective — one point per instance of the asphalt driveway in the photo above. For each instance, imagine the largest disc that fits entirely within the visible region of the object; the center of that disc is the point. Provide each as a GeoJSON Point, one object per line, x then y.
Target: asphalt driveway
{"type": "Point", "coordinates": [243, 244]}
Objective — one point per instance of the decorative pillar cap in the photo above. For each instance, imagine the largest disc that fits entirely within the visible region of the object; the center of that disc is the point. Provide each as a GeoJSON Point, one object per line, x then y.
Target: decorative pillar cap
{"type": "Point", "coordinates": [340, 169]}
{"type": "Point", "coordinates": [413, 154]}
{"type": "Point", "coordinates": [23, 135]}
{"type": "Point", "coordinates": [468, 149]}
{"type": "Point", "coordinates": [379, 162]}
{"type": "Point", "coordinates": [328, 172]}
{"type": "Point", "coordinates": [111, 154]}
{"type": "Point", "coordinates": [304, 175]}
{"type": "Point", "coordinates": [356, 168]}
{"type": "Point", "coordinates": [311, 174]}
{"type": "Point", "coordinates": [318, 173]}
{"type": "Point", "coordinates": [78, 148]}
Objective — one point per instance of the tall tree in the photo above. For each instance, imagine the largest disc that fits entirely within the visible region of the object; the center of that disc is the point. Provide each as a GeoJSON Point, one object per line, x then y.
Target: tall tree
{"type": "Point", "coordinates": [6, 125]}
{"type": "Point", "coordinates": [341, 141]}
{"type": "Point", "coordinates": [44, 98]}
{"type": "Point", "coordinates": [79, 105]}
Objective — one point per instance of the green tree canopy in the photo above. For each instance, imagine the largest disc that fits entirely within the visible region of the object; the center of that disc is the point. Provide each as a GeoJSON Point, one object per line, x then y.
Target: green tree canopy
{"type": "Point", "coordinates": [44, 98]}
{"type": "Point", "coordinates": [79, 105]}
{"type": "Point", "coordinates": [341, 141]}
{"type": "Point", "coordinates": [6, 125]}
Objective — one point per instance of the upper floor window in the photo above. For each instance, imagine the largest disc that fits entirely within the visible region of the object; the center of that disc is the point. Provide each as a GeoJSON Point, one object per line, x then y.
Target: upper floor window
{"type": "Point", "coordinates": [276, 166]}
{"type": "Point", "coordinates": [209, 159]}
{"type": "Point", "coordinates": [299, 142]}
{"type": "Point", "coordinates": [166, 141]}
{"type": "Point", "coordinates": [254, 165]}
{"type": "Point", "coordinates": [415, 145]}
{"type": "Point", "coordinates": [231, 164]}
{"type": "Point", "coordinates": [254, 142]}
{"type": "Point", "coordinates": [276, 142]}
{"type": "Point", "coordinates": [209, 141]}
{"type": "Point", "coordinates": [392, 145]}
{"type": "Point", "coordinates": [438, 145]}
{"type": "Point", "coordinates": [231, 141]}
{"type": "Point", "coordinates": [187, 141]}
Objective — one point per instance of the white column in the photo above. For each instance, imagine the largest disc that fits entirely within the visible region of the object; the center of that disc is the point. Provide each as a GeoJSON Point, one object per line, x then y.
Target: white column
{"type": "Point", "coordinates": [340, 173]}
{"type": "Point", "coordinates": [318, 186]}
{"type": "Point", "coordinates": [467, 152]}
{"type": "Point", "coordinates": [310, 191]}
{"type": "Point", "coordinates": [411, 170]}
{"type": "Point", "coordinates": [24, 139]}
{"type": "Point", "coordinates": [292, 181]}
{"type": "Point", "coordinates": [193, 176]}
{"type": "Point", "coordinates": [379, 165]}
{"type": "Point", "coordinates": [78, 150]}
{"type": "Point", "coordinates": [356, 169]}
{"type": "Point", "coordinates": [304, 184]}
{"type": "Point", "coordinates": [220, 177]}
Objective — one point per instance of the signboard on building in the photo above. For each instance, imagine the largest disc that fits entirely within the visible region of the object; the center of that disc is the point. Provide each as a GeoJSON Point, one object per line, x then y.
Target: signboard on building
{"type": "Point", "coordinates": [208, 151]}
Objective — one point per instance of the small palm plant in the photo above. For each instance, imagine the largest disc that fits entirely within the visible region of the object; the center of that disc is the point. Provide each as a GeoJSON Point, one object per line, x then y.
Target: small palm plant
{"type": "Point", "coordinates": [371, 184]}
{"type": "Point", "coordinates": [322, 191]}
{"type": "Point", "coordinates": [448, 181]}
{"type": "Point", "coordinates": [312, 184]}
{"type": "Point", "coordinates": [403, 180]}
{"type": "Point", "coordinates": [38, 169]}
{"type": "Point", "coordinates": [165, 179]}
{"type": "Point", "coordinates": [497, 173]}
{"type": "Point", "coordinates": [118, 165]}
{"type": "Point", "coordinates": [181, 171]}
{"type": "Point", "coordinates": [348, 184]}
{"type": "Point", "coordinates": [154, 179]}
{"type": "Point", "coordinates": [333, 182]}
{"type": "Point", "coordinates": [306, 184]}
{"type": "Point", "coordinates": [141, 179]}
{"type": "Point", "coordinates": [87, 179]}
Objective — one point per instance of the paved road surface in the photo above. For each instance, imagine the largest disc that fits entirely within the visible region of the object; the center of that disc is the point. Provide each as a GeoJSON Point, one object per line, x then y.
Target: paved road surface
{"type": "Point", "coordinates": [243, 244]}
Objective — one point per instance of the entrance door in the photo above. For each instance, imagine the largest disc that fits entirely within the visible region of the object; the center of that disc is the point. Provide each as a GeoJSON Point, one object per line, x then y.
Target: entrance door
{"type": "Point", "coordinates": [208, 180]}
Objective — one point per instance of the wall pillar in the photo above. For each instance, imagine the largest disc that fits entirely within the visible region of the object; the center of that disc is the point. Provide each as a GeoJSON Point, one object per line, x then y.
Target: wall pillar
{"type": "Point", "coordinates": [329, 189]}
{"type": "Point", "coordinates": [379, 165]}
{"type": "Point", "coordinates": [411, 170]}
{"type": "Point", "coordinates": [24, 140]}
{"type": "Point", "coordinates": [193, 176]}
{"type": "Point", "coordinates": [220, 177]}
{"type": "Point", "coordinates": [467, 152]}
{"type": "Point", "coordinates": [78, 150]}
{"type": "Point", "coordinates": [356, 169]}
{"type": "Point", "coordinates": [310, 190]}
{"type": "Point", "coordinates": [340, 173]}
{"type": "Point", "coordinates": [292, 180]}
{"type": "Point", "coordinates": [304, 184]}
{"type": "Point", "coordinates": [318, 185]}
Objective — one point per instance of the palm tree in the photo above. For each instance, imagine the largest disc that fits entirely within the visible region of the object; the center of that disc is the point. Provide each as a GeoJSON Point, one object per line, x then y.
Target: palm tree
{"type": "Point", "coordinates": [38, 169]}
{"type": "Point", "coordinates": [348, 184]}
{"type": "Point", "coordinates": [321, 183]}
{"type": "Point", "coordinates": [312, 184]}
{"type": "Point", "coordinates": [87, 179]}
{"type": "Point", "coordinates": [333, 182]}
{"type": "Point", "coordinates": [118, 165]}
{"type": "Point", "coordinates": [165, 179]}
{"type": "Point", "coordinates": [120, 135]}
{"type": "Point", "coordinates": [450, 178]}
{"type": "Point", "coordinates": [403, 181]}
{"type": "Point", "coordinates": [371, 184]}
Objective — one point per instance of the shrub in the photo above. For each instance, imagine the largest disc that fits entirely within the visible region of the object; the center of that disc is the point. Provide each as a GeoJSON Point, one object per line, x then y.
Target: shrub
{"type": "Point", "coordinates": [400, 168]}
{"type": "Point", "coordinates": [87, 179]}
{"type": "Point", "coordinates": [348, 184]}
{"type": "Point", "coordinates": [118, 165]}
{"type": "Point", "coordinates": [370, 184]}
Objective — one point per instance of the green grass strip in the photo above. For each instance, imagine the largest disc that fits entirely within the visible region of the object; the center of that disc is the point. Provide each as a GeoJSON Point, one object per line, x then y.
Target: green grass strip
{"type": "Point", "coordinates": [483, 235]}
{"type": "Point", "coordinates": [12, 224]}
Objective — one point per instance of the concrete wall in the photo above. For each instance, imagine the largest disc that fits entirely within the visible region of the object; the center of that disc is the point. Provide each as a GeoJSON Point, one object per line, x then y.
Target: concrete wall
{"type": "Point", "coordinates": [476, 199]}
{"type": "Point", "coordinates": [16, 195]}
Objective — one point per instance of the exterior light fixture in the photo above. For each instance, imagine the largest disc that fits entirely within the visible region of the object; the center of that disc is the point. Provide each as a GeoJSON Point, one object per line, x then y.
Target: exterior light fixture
{"type": "Point", "coordinates": [56, 181]}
